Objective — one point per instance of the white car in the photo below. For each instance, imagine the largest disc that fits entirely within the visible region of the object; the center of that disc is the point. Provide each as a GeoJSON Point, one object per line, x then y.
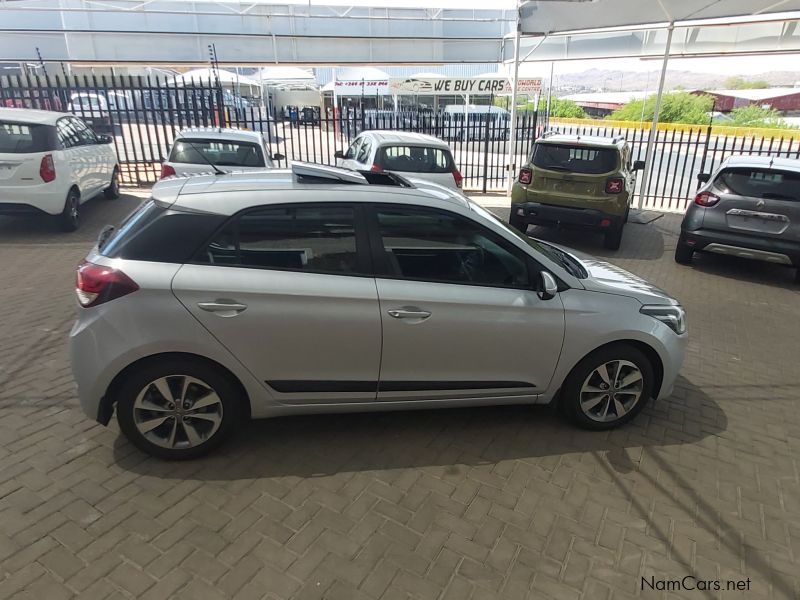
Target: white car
{"type": "Point", "coordinates": [409, 154]}
{"type": "Point", "coordinates": [203, 149]}
{"type": "Point", "coordinates": [51, 163]}
{"type": "Point", "coordinates": [92, 108]}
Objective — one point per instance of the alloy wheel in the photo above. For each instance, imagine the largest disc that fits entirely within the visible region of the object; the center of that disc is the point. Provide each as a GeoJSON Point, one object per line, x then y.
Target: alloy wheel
{"type": "Point", "coordinates": [177, 412]}
{"type": "Point", "coordinates": [611, 391]}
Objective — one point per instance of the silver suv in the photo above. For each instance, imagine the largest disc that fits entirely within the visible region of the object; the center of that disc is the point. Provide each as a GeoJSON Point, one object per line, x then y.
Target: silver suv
{"type": "Point", "coordinates": [275, 293]}
{"type": "Point", "coordinates": [749, 208]}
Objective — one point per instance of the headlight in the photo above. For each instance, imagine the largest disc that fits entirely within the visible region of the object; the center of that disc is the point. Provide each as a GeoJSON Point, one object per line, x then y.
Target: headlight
{"type": "Point", "coordinates": [673, 317]}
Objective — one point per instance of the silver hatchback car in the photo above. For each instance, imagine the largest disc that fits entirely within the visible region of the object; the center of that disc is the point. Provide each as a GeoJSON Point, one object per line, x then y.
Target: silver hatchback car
{"type": "Point", "coordinates": [319, 290]}
{"type": "Point", "coordinates": [750, 208]}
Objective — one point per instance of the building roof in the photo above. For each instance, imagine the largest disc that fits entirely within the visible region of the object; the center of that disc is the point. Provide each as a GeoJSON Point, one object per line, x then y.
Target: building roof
{"type": "Point", "coordinates": [607, 97]}
{"type": "Point", "coordinates": [756, 94]}
{"type": "Point", "coordinates": [30, 115]}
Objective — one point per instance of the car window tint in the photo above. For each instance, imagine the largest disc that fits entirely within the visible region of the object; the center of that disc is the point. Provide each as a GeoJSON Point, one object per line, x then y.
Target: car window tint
{"type": "Point", "coordinates": [23, 138]}
{"type": "Point", "coordinates": [315, 239]}
{"type": "Point", "coordinates": [221, 153]}
{"type": "Point", "coordinates": [415, 159]}
{"type": "Point", "coordinates": [67, 134]}
{"type": "Point", "coordinates": [760, 183]}
{"type": "Point", "coordinates": [430, 245]}
{"type": "Point", "coordinates": [86, 135]}
{"type": "Point", "coordinates": [575, 159]}
{"type": "Point", "coordinates": [353, 149]}
{"type": "Point", "coordinates": [364, 151]}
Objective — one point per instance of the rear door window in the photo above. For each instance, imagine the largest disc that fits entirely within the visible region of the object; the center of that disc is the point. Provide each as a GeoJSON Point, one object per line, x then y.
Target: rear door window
{"type": "Point", "coordinates": [575, 159]}
{"type": "Point", "coordinates": [223, 153]}
{"type": "Point", "coordinates": [759, 183]}
{"type": "Point", "coordinates": [415, 159]}
{"type": "Point", "coordinates": [24, 138]}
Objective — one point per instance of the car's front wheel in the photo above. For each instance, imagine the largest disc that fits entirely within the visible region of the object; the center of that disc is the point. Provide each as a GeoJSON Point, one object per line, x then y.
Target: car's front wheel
{"type": "Point", "coordinates": [607, 388]}
{"type": "Point", "coordinates": [178, 409]}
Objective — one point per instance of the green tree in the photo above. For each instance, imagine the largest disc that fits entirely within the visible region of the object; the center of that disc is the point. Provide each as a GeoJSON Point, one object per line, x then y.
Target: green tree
{"type": "Point", "coordinates": [757, 116]}
{"type": "Point", "coordinates": [676, 107]}
{"type": "Point", "coordinates": [560, 108]}
{"type": "Point", "coordinates": [739, 83]}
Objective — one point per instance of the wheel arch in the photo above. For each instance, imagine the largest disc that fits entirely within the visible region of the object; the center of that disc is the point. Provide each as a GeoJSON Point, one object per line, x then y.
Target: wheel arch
{"type": "Point", "coordinates": [107, 402]}
{"type": "Point", "coordinates": [646, 349]}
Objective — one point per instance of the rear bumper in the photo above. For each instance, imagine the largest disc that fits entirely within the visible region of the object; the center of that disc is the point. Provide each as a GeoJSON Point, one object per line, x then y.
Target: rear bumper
{"type": "Point", "coordinates": [772, 250]}
{"type": "Point", "coordinates": [32, 200]}
{"type": "Point", "coordinates": [536, 213]}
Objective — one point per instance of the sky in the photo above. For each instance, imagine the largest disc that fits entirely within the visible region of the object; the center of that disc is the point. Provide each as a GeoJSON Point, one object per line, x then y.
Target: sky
{"type": "Point", "coordinates": [746, 66]}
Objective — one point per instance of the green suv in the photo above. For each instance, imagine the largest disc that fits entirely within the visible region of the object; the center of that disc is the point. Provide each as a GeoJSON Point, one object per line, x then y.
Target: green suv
{"type": "Point", "coordinates": [576, 181]}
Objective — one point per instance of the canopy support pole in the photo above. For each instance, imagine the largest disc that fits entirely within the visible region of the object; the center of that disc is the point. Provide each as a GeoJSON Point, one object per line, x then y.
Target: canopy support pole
{"type": "Point", "coordinates": [512, 130]}
{"type": "Point", "coordinates": [644, 187]}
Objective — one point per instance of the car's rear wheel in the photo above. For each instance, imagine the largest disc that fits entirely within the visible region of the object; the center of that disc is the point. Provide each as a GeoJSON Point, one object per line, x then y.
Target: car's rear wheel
{"type": "Point", "coordinates": [70, 217]}
{"type": "Point", "coordinates": [613, 237]}
{"type": "Point", "coordinates": [112, 191]}
{"type": "Point", "coordinates": [683, 253]}
{"type": "Point", "coordinates": [178, 409]}
{"type": "Point", "coordinates": [607, 388]}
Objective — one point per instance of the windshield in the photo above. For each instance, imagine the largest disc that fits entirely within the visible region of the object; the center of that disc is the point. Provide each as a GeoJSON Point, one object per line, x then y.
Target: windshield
{"type": "Point", "coordinates": [568, 262]}
{"type": "Point", "coordinates": [22, 138]}
{"type": "Point", "coordinates": [760, 183]}
{"type": "Point", "coordinates": [220, 153]}
{"type": "Point", "coordinates": [574, 158]}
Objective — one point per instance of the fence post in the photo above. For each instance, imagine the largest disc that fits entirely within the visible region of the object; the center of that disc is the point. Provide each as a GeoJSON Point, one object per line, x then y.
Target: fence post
{"type": "Point", "coordinates": [705, 148]}
{"type": "Point", "coordinates": [486, 150]}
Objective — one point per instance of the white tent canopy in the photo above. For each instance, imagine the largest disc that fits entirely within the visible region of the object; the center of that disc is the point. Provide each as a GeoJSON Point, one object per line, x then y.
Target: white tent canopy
{"type": "Point", "coordinates": [207, 76]}
{"type": "Point", "coordinates": [552, 16]}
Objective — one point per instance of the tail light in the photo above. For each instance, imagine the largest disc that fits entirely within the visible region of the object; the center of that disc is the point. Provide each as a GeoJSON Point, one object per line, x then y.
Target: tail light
{"type": "Point", "coordinates": [459, 179]}
{"type": "Point", "coordinates": [615, 185]}
{"type": "Point", "coordinates": [525, 176]}
{"type": "Point", "coordinates": [96, 284]}
{"type": "Point", "coordinates": [47, 168]}
{"type": "Point", "coordinates": [706, 199]}
{"type": "Point", "coordinates": [166, 170]}
{"type": "Point", "coordinates": [376, 168]}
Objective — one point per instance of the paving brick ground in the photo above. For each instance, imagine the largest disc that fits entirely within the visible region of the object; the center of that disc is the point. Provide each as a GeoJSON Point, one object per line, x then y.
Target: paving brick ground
{"type": "Point", "coordinates": [458, 504]}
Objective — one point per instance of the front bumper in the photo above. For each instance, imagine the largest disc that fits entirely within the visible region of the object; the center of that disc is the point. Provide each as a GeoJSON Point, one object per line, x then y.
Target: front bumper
{"type": "Point", "coordinates": [772, 250]}
{"type": "Point", "coordinates": [535, 213]}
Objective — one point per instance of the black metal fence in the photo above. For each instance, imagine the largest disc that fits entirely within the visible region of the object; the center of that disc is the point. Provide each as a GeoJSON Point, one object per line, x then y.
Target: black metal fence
{"type": "Point", "coordinates": [143, 114]}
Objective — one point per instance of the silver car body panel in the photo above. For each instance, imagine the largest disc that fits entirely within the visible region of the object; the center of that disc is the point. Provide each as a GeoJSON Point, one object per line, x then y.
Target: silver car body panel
{"type": "Point", "coordinates": [300, 326]}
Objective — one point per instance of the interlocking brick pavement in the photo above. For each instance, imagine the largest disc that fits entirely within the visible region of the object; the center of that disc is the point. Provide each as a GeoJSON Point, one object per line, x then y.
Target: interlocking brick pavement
{"type": "Point", "coordinates": [457, 504]}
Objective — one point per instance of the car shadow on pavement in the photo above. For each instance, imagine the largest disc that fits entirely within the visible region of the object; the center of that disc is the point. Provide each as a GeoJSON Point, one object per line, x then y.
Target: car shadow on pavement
{"type": "Point", "coordinates": [320, 445]}
{"type": "Point", "coordinates": [96, 213]}
{"type": "Point", "coordinates": [742, 269]}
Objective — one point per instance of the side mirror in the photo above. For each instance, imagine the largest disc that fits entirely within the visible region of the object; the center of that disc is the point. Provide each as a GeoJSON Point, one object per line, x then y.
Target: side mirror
{"type": "Point", "coordinates": [703, 177]}
{"type": "Point", "coordinates": [105, 139]}
{"type": "Point", "coordinates": [638, 165]}
{"type": "Point", "coordinates": [338, 154]}
{"type": "Point", "coordinates": [547, 287]}
{"type": "Point", "coordinates": [278, 156]}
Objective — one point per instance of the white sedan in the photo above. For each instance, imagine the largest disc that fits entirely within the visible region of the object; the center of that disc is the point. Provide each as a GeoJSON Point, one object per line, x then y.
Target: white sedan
{"type": "Point", "coordinates": [51, 163]}
{"type": "Point", "coordinates": [204, 149]}
{"type": "Point", "coordinates": [409, 154]}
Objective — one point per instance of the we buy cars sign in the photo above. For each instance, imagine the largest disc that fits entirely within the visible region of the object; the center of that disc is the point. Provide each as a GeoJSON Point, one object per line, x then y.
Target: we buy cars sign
{"type": "Point", "coordinates": [473, 86]}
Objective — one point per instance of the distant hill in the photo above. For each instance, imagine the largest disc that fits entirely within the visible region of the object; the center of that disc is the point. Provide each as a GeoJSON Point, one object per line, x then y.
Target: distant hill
{"type": "Point", "coordinates": [624, 81]}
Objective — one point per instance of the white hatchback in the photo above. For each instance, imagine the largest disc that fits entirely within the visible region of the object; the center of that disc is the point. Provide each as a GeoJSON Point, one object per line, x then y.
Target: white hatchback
{"type": "Point", "coordinates": [409, 154]}
{"type": "Point", "coordinates": [51, 163]}
{"type": "Point", "coordinates": [204, 149]}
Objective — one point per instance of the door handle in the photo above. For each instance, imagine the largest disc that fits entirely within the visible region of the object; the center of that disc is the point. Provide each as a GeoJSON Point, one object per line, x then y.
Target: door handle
{"type": "Point", "coordinates": [223, 309]}
{"type": "Point", "coordinates": [408, 313]}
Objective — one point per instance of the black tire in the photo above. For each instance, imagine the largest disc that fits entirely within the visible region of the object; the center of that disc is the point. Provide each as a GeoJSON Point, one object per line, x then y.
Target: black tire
{"type": "Point", "coordinates": [683, 253]}
{"type": "Point", "coordinates": [583, 372]}
{"type": "Point", "coordinates": [627, 212]}
{"type": "Point", "coordinates": [112, 191]}
{"type": "Point", "coordinates": [797, 275]}
{"type": "Point", "coordinates": [613, 237]}
{"type": "Point", "coordinates": [70, 217]}
{"type": "Point", "coordinates": [231, 410]}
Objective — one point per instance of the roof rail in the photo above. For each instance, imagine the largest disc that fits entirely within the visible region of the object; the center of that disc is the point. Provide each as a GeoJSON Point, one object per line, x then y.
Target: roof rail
{"type": "Point", "coordinates": [549, 132]}
{"type": "Point", "coordinates": [618, 138]}
{"type": "Point", "coordinates": [312, 172]}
